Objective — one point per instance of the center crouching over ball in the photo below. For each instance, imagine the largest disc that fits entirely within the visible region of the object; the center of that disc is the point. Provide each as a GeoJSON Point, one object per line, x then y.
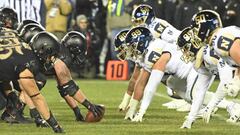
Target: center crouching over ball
{"type": "Point", "coordinates": [90, 117]}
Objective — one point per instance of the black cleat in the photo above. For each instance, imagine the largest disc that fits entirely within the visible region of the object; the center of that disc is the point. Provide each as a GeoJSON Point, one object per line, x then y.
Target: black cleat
{"type": "Point", "coordinates": [41, 122]}
{"type": "Point", "coordinates": [58, 129]}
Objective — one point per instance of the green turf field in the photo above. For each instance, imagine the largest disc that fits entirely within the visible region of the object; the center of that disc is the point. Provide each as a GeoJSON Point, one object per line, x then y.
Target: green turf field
{"type": "Point", "coordinates": [158, 120]}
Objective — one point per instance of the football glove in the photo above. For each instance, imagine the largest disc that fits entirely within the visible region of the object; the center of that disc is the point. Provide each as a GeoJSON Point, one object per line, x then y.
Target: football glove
{"type": "Point", "coordinates": [207, 114]}
{"type": "Point", "coordinates": [96, 110]}
{"type": "Point", "coordinates": [130, 113]}
{"type": "Point", "coordinates": [138, 117]}
{"type": "Point", "coordinates": [124, 103]}
{"type": "Point", "coordinates": [187, 124]}
{"type": "Point", "coordinates": [131, 109]}
{"type": "Point", "coordinates": [232, 88]}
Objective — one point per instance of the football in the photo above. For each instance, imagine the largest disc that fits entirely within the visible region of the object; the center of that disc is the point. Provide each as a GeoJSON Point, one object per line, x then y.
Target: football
{"type": "Point", "coordinates": [91, 118]}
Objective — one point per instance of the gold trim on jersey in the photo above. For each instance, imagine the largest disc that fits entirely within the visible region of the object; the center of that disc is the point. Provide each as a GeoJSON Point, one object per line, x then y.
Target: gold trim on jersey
{"type": "Point", "coordinates": [199, 58]}
{"type": "Point", "coordinates": [209, 41]}
{"type": "Point", "coordinates": [10, 42]}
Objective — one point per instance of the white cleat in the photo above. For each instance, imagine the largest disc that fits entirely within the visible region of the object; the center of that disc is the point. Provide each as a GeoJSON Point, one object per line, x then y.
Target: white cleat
{"type": "Point", "coordinates": [176, 103]}
{"type": "Point", "coordinates": [184, 108]}
{"type": "Point", "coordinates": [234, 112]}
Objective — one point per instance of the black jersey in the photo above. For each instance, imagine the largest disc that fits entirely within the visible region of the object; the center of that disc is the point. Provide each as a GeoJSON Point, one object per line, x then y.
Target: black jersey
{"type": "Point", "coordinates": [15, 56]}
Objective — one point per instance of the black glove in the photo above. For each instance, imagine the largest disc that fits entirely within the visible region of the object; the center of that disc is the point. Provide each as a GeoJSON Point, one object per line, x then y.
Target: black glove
{"type": "Point", "coordinates": [95, 109]}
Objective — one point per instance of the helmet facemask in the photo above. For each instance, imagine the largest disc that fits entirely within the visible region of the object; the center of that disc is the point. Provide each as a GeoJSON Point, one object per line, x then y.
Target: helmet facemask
{"type": "Point", "coordinates": [204, 23]}
{"type": "Point", "coordinates": [75, 43]}
{"type": "Point", "coordinates": [9, 18]}
{"type": "Point", "coordinates": [137, 41]}
{"type": "Point", "coordinates": [120, 45]}
{"type": "Point", "coordinates": [189, 44]}
{"type": "Point", "coordinates": [142, 14]}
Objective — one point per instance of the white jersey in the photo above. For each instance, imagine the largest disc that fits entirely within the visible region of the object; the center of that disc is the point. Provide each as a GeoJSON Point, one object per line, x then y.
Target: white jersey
{"type": "Point", "coordinates": [174, 66]}
{"type": "Point", "coordinates": [212, 64]}
{"type": "Point", "coordinates": [207, 64]}
{"type": "Point", "coordinates": [163, 30]}
{"type": "Point", "coordinates": [222, 41]}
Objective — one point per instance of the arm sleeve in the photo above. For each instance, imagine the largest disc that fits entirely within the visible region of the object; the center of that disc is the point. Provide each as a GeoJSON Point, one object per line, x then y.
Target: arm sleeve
{"type": "Point", "coordinates": [226, 74]}
{"type": "Point", "coordinates": [151, 87]}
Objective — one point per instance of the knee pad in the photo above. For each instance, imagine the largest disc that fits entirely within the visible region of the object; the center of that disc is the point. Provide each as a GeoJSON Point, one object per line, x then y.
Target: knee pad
{"type": "Point", "coordinates": [40, 80]}
{"type": "Point", "coordinates": [70, 88]}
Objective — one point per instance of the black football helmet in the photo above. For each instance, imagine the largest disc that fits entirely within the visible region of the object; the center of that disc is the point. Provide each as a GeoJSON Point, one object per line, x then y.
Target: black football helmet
{"type": "Point", "coordinates": [45, 45]}
{"type": "Point", "coordinates": [205, 22]}
{"type": "Point", "coordinates": [75, 42]}
{"type": "Point", "coordinates": [8, 18]}
{"type": "Point", "coordinates": [119, 44]}
{"type": "Point", "coordinates": [30, 30]}
{"type": "Point", "coordinates": [137, 41]}
{"type": "Point", "coordinates": [143, 14]}
{"type": "Point", "coordinates": [24, 23]}
{"type": "Point", "coordinates": [189, 44]}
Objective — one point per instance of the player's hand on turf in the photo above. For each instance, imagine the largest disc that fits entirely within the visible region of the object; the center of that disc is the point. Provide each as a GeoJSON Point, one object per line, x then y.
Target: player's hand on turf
{"type": "Point", "coordinates": [123, 106]}
{"type": "Point", "coordinates": [187, 124]}
{"type": "Point", "coordinates": [130, 113]}
{"type": "Point", "coordinates": [207, 114]}
{"type": "Point", "coordinates": [138, 117]}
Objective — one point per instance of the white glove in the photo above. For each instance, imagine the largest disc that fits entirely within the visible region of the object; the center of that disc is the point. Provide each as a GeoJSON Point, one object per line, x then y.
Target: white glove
{"type": "Point", "coordinates": [123, 105]}
{"type": "Point", "coordinates": [130, 113]}
{"type": "Point", "coordinates": [132, 107]}
{"type": "Point", "coordinates": [138, 117]}
{"type": "Point", "coordinates": [187, 124]}
{"type": "Point", "coordinates": [232, 88]}
{"type": "Point", "coordinates": [207, 114]}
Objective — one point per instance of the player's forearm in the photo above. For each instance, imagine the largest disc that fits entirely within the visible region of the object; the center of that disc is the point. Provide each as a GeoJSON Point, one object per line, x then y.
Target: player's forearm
{"type": "Point", "coordinates": [218, 96]}
{"type": "Point", "coordinates": [151, 87]}
{"type": "Point", "coordinates": [62, 72]}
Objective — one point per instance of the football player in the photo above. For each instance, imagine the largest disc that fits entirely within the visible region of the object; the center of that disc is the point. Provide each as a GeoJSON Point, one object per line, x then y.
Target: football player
{"type": "Point", "coordinates": [27, 30]}
{"type": "Point", "coordinates": [183, 77]}
{"type": "Point", "coordinates": [19, 63]}
{"type": "Point", "coordinates": [121, 51]}
{"type": "Point", "coordinates": [144, 15]}
{"type": "Point", "coordinates": [152, 52]}
{"type": "Point", "coordinates": [207, 64]}
{"type": "Point", "coordinates": [225, 41]}
{"type": "Point", "coordinates": [207, 26]}
{"type": "Point", "coordinates": [11, 113]}
{"type": "Point", "coordinates": [72, 51]}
